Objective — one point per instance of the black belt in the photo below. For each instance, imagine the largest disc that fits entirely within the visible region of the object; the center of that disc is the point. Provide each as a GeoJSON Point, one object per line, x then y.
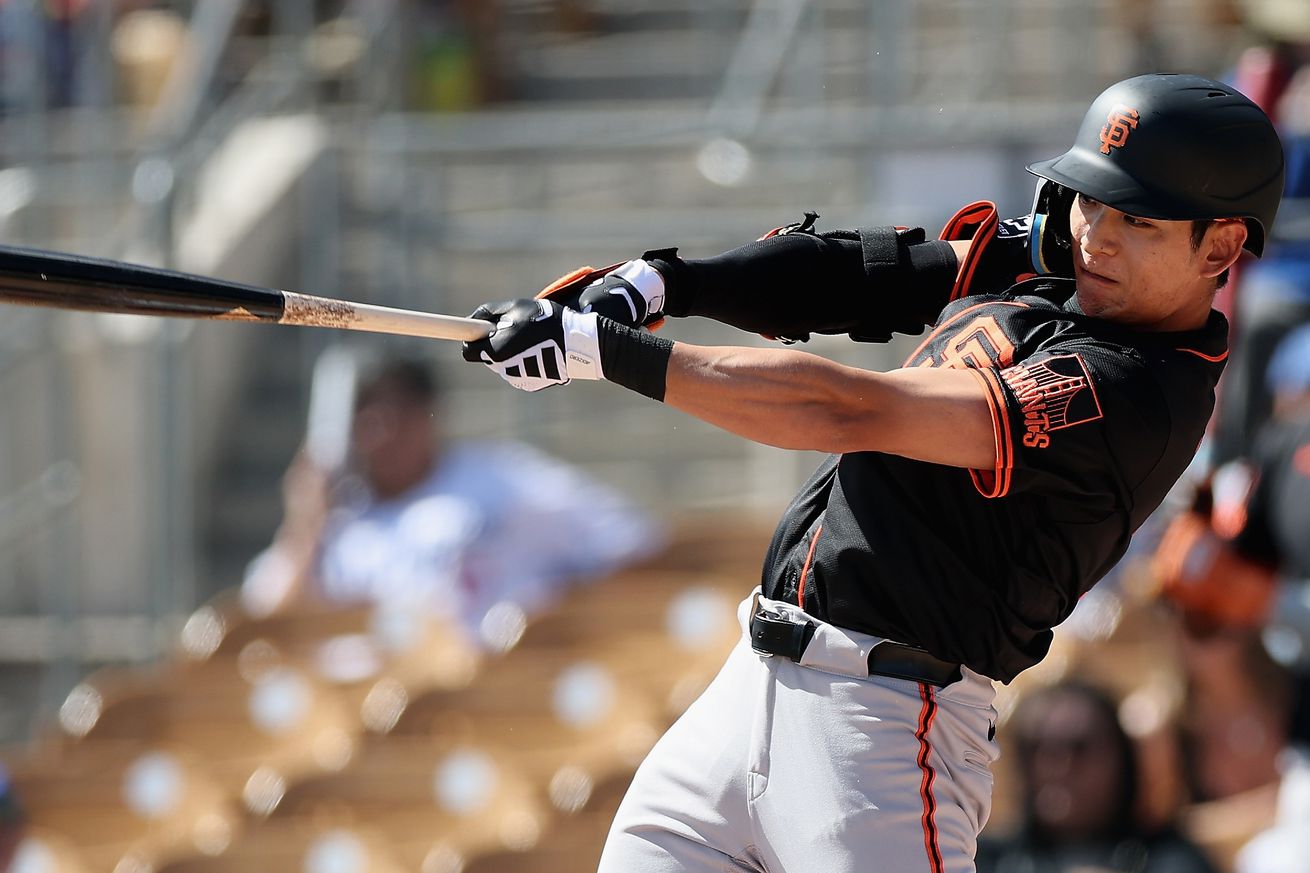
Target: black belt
{"type": "Point", "coordinates": [774, 634]}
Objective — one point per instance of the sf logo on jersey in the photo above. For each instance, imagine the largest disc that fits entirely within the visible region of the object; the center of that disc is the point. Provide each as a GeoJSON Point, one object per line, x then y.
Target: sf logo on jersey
{"type": "Point", "coordinates": [978, 343]}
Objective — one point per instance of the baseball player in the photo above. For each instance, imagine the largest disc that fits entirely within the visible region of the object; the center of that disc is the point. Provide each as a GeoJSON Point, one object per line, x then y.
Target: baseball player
{"type": "Point", "coordinates": [971, 496]}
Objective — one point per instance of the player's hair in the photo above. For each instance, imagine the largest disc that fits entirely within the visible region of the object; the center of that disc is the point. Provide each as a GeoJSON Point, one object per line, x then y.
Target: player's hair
{"type": "Point", "coordinates": [407, 378]}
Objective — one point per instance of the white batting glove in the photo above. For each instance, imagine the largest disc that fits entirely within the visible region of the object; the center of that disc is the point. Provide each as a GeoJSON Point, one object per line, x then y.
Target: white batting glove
{"type": "Point", "coordinates": [537, 344]}
{"type": "Point", "coordinates": [632, 295]}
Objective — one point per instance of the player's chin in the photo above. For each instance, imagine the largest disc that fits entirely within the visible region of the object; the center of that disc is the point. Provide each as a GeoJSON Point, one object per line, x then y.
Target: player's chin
{"type": "Point", "coordinates": [1098, 304]}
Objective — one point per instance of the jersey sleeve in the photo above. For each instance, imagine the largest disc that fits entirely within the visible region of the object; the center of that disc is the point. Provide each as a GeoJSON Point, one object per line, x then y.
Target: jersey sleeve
{"type": "Point", "coordinates": [1077, 425]}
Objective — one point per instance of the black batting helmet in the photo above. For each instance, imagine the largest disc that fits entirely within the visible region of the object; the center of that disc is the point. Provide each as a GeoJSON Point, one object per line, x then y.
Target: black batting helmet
{"type": "Point", "coordinates": [1179, 147]}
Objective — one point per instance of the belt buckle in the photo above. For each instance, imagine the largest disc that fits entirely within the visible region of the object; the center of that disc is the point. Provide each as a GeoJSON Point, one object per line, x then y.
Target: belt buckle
{"type": "Point", "coordinates": [765, 614]}
{"type": "Point", "coordinates": [779, 622]}
{"type": "Point", "coordinates": [757, 610]}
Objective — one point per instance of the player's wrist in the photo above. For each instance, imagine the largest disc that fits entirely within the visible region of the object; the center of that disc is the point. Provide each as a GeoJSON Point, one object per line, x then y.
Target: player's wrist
{"type": "Point", "coordinates": [636, 359]}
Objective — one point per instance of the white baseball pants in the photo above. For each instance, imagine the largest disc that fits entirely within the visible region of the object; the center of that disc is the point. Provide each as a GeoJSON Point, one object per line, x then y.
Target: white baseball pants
{"type": "Point", "coordinates": [793, 767]}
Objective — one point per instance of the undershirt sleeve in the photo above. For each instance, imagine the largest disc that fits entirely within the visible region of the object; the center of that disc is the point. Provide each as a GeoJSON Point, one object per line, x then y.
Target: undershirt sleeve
{"type": "Point", "coordinates": [869, 284]}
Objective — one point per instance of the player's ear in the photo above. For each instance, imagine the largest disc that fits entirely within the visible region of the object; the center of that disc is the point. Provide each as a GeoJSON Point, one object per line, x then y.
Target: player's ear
{"type": "Point", "coordinates": [1222, 245]}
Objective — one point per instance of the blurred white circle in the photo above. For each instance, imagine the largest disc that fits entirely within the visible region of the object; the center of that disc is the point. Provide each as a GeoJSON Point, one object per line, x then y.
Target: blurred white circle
{"type": "Point", "coordinates": [1143, 712]}
{"type": "Point", "coordinates": [134, 863]}
{"type": "Point", "coordinates": [18, 187]}
{"type": "Point", "coordinates": [203, 633]}
{"type": "Point", "coordinates": [337, 851]}
{"type": "Point", "coordinates": [397, 625]}
{"type": "Point", "coordinates": [584, 694]}
{"type": "Point", "coordinates": [333, 748]}
{"type": "Point", "coordinates": [442, 859]}
{"type": "Point", "coordinates": [520, 830]}
{"type": "Point", "coordinates": [384, 704]}
{"type": "Point", "coordinates": [1284, 644]}
{"type": "Point", "coordinates": [152, 180]}
{"type": "Point", "coordinates": [211, 834]}
{"type": "Point", "coordinates": [464, 782]}
{"type": "Point", "coordinates": [570, 788]}
{"type": "Point", "coordinates": [33, 856]}
{"type": "Point", "coordinates": [153, 785]}
{"type": "Point", "coordinates": [724, 162]}
{"type": "Point", "coordinates": [257, 659]}
{"type": "Point", "coordinates": [264, 790]}
{"type": "Point", "coordinates": [502, 626]}
{"type": "Point", "coordinates": [279, 701]}
{"type": "Point", "coordinates": [347, 658]}
{"type": "Point", "coordinates": [696, 617]}
{"type": "Point", "coordinates": [81, 710]}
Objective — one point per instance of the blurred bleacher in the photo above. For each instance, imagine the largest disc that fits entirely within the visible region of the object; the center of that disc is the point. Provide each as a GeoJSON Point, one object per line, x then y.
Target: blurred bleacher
{"type": "Point", "coordinates": [259, 741]}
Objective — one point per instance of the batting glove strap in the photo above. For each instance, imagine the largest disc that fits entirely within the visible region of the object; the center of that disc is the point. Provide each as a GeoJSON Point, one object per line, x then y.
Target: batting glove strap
{"type": "Point", "coordinates": [581, 345]}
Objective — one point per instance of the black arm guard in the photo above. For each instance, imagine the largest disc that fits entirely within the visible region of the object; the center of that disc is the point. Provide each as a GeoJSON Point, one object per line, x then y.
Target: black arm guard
{"type": "Point", "coordinates": [868, 283]}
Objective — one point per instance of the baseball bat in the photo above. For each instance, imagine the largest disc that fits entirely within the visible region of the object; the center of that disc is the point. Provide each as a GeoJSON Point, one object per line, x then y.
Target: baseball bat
{"type": "Point", "coordinates": [33, 277]}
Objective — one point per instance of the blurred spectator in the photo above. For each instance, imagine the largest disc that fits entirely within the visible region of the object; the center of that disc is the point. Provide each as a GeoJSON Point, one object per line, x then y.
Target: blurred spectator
{"type": "Point", "coordinates": [146, 44]}
{"type": "Point", "coordinates": [12, 822]}
{"type": "Point", "coordinates": [1242, 564]}
{"type": "Point", "coordinates": [457, 54]}
{"type": "Point", "coordinates": [453, 528]}
{"type": "Point", "coordinates": [1274, 297]}
{"type": "Point", "coordinates": [1257, 546]}
{"type": "Point", "coordinates": [460, 50]}
{"type": "Point", "coordinates": [1270, 296]}
{"type": "Point", "coordinates": [1079, 781]}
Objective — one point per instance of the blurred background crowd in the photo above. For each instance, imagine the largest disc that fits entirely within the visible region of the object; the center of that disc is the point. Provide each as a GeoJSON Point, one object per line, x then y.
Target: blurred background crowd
{"type": "Point", "coordinates": [274, 599]}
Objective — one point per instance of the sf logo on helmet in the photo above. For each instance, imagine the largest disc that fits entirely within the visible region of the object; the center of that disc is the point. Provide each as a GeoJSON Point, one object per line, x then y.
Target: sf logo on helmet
{"type": "Point", "coordinates": [1118, 124]}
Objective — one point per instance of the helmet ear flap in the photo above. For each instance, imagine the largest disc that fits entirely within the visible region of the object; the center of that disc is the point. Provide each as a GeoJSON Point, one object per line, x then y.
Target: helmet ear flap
{"type": "Point", "coordinates": [1050, 244]}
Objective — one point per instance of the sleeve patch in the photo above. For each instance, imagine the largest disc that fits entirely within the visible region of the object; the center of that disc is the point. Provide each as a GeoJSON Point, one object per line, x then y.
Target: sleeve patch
{"type": "Point", "coordinates": [1053, 394]}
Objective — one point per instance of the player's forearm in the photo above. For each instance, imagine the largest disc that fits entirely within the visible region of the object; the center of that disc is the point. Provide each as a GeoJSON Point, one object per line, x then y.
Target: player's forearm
{"type": "Point", "coordinates": [796, 400]}
{"type": "Point", "coordinates": [778, 397]}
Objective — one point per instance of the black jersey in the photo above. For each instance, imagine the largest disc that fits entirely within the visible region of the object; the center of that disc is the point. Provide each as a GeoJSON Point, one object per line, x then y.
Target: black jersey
{"type": "Point", "coordinates": [1093, 423]}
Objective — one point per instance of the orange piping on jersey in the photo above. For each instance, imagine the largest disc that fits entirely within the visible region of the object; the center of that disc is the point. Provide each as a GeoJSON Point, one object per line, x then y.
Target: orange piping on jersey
{"type": "Point", "coordinates": [805, 570]}
{"type": "Point", "coordinates": [929, 818]}
{"type": "Point", "coordinates": [999, 485]}
{"type": "Point", "coordinates": [1203, 356]}
{"type": "Point", "coordinates": [954, 318]}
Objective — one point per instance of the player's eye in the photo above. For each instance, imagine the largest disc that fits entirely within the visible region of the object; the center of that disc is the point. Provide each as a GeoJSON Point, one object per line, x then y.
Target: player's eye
{"type": "Point", "coordinates": [1084, 200]}
{"type": "Point", "coordinates": [1134, 221]}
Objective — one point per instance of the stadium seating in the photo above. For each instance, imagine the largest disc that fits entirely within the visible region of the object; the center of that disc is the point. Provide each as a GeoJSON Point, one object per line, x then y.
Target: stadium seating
{"type": "Point", "coordinates": [386, 740]}
{"type": "Point", "coordinates": [111, 801]}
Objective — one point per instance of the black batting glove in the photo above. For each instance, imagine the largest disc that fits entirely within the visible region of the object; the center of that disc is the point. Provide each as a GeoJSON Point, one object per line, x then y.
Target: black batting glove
{"type": "Point", "coordinates": [537, 344]}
